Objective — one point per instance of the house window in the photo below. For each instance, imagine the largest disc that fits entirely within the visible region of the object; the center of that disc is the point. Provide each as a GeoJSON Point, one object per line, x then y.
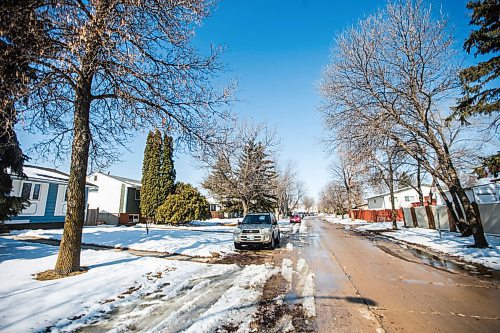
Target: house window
{"type": "Point", "coordinates": [133, 218]}
{"type": "Point", "coordinates": [374, 200]}
{"type": "Point", "coordinates": [66, 194]}
{"type": "Point", "coordinates": [26, 191]}
{"type": "Point", "coordinates": [95, 178]}
{"type": "Point", "coordinates": [409, 198]}
{"type": "Point", "coordinates": [213, 208]}
{"type": "Point", "coordinates": [30, 191]}
{"type": "Point", "coordinates": [137, 195]}
{"type": "Point", "coordinates": [36, 192]}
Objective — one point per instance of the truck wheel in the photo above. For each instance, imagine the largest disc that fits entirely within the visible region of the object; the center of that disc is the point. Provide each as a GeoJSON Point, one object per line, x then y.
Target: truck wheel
{"type": "Point", "coordinates": [237, 246]}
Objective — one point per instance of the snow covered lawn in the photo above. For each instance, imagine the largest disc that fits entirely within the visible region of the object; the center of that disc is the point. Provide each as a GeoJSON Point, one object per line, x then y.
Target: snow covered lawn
{"type": "Point", "coordinates": [450, 242]}
{"type": "Point", "coordinates": [121, 280]}
{"type": "Point", "coordinates": [194, 243]}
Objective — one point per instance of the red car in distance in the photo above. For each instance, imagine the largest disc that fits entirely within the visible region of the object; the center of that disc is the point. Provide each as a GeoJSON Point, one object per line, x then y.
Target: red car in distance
{"type": "Point", "coordinates": [295, 219]}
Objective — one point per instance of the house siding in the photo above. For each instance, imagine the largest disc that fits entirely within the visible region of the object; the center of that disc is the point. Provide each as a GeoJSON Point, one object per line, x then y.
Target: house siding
{"type": "Point", "coordinates": [49, 210]}
{"type": "Point", "coordinates": [132, 206]}
{"type": "Point", "coordinates": [51, 200]}
{"type": "Point", "coordinates": [122, 199]}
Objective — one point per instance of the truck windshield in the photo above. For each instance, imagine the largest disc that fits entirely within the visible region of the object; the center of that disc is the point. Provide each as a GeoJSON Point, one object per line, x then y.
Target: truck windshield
{"type": "Point", "coordinates": [256, 219]}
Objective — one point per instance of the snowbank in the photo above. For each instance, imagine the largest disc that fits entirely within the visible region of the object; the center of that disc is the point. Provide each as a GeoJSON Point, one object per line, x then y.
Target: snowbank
{"type": "Point", "coordinates": [176, 240]}
{"type": "Point", "coordinates": [345, 221]}
{"type": "Point", "coordinates": [378, 226]}
{"type": "Point", "coordinates": [119, 279]}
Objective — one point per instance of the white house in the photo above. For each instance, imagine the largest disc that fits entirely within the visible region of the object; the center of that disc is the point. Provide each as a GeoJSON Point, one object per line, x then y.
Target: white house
{"type": "Point", "coordinates": [486, 191]}
{"type": "Point", "coordinates": [116, 198]}
{"type": "Point", "coordinates": [46, 189]}
{"type": "Point", "coordinates": [215, 208]}
{"type": "Point", "coordinates": [403, 198]}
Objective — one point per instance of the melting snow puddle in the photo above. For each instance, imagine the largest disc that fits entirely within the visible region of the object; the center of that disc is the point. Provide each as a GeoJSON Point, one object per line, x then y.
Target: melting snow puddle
{"type": "Point", "coordinates": [433, 260]}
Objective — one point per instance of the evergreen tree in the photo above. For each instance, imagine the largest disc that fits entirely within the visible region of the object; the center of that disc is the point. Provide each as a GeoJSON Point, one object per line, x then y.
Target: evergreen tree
{"type": "Point", "coordinates": [146, 210]}
{"type": "Point", "coordinates": [184, 205]}
{"type": "Point", "coordinates": [158, 173]}
{"type": "Point", "coordinates": [11, 157]}
{"type": "Point", "coordinates": [22, 40]}
{"type": "Point", "coordinates": [480, 93]}
{"type": "Point", "coordinates": [404, 180]}
{"type": "Point", "coordinates": [256, 173]}
{"type": "Point", "coordinates": [151, 182]}
{"type": "Point", "coordinates": [167, 170]}
{"type": "Point", "coordinates": [246, 172]}
{"type": "Point", "coordinates": [490, 166]}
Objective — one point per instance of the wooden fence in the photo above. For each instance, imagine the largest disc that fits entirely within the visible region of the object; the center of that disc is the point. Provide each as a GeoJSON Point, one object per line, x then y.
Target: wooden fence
{"type": "Point", "coordinates": [382, 215]}
{"type": "Point", "coordinates": [438, 216]}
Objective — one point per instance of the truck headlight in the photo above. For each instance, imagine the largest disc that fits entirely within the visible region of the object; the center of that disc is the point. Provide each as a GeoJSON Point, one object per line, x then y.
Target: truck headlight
{"type": "Point", "coordinates": [266, 231]}
{"type": "Point", "coordinates": [237, 231]}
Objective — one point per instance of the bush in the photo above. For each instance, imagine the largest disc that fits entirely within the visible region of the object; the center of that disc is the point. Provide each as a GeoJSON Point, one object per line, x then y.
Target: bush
{"type": "Point", "coordinates": [184, 205]}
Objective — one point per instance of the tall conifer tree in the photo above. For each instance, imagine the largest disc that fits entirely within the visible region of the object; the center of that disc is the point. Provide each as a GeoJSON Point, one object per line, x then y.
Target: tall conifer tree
{"type": "Point", "coordinates": [151, 182]}
{"type": "Point", "coordinates": [481, 94]}
{"type": "Point", "coordinates": [167, 174]}
{"type": "Point", "coordinates": [146, 210]}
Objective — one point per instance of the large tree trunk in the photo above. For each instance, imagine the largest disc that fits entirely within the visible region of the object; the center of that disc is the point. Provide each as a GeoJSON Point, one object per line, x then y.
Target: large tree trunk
{"type": "Point", "coordinates": [349, 203]}
{"type": "Point", "coordinates": [68, 259]}
{"type": "Point", "coordinates": [449, 205]}
{"type": "Point", "coordinates": [419, 184]}
{"type": "Point", "coordinates": [456, 190]}
{"type": "Point", "coordinates": [473, 219]}
{"type": "Point", "coordinates": [245, 207]}
{"type": "Point", "coordinates": [391, 191]}
{"type": "Point", "coordinates": [456, 202]}
{"type": "Point", "coordinates": [462, 225]}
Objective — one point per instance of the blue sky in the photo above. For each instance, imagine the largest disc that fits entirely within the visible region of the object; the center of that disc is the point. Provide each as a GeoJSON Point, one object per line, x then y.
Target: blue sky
{"type": "Point", "coordinates": [276, 50]}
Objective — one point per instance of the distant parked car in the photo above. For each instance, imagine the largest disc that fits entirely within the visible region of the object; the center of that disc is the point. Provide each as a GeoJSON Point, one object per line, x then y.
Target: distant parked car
{"type": "Point", "coordinates": [257, 229]}
{"type": "Point", "coordinates": [295, 219]}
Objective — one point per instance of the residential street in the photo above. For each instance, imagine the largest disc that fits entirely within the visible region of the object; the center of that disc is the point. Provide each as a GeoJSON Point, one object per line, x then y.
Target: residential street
{"type": "Point", "coordinates": [367, 284]}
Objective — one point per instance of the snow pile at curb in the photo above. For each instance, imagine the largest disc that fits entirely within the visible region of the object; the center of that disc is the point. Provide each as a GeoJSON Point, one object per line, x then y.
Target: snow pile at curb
{"type": "Point", "coordinates": [180, 241]}
{"type": "Point", "coordinates": [306, 287]}
{"type": "Point", "coordinates": [378, 226]}
{"type": "Point", "coordinates": [344, 221]}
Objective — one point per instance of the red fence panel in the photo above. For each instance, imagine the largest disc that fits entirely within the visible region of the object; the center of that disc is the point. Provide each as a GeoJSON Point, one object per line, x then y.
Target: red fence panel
{"type": "Point", "coordinates": [377, 215]}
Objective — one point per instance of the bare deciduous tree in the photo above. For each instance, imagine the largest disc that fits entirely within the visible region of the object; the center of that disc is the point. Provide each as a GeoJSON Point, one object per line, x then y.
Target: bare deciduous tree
{"type": "Point", "coordinates": [348, 171]}
{"type": "Point", "coordinates": [118, 66]}
{"type": "Point", "coordinates": [290, 190]}
{"type": "Point", "coordinates": [390, 75]}
{"type": "Point", "coordinates": [384, 161]}
{"type": "Point", "coordinates": [332, 199]}
{"type": "Point", "coordinates": [308, 203]}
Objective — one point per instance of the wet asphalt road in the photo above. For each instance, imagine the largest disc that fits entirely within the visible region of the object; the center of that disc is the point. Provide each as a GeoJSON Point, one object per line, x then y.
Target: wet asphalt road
{"type": "Point", "coordinates": [369, 285]}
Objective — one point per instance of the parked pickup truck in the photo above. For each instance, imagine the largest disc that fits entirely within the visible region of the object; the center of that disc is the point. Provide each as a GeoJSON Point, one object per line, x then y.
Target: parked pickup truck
{"type": "Point", "coordinates": [257, 229]}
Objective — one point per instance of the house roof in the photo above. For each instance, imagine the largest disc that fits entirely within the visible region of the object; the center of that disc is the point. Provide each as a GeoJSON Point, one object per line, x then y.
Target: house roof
{"type": "Point", "coordinates": [129, 181]}
{"type": "Point", "coordinates": [34, 172]}
{"type": "Point", "coordinates": [486, 181]}
{"type": "Point", "coordinates": [396, 191]}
